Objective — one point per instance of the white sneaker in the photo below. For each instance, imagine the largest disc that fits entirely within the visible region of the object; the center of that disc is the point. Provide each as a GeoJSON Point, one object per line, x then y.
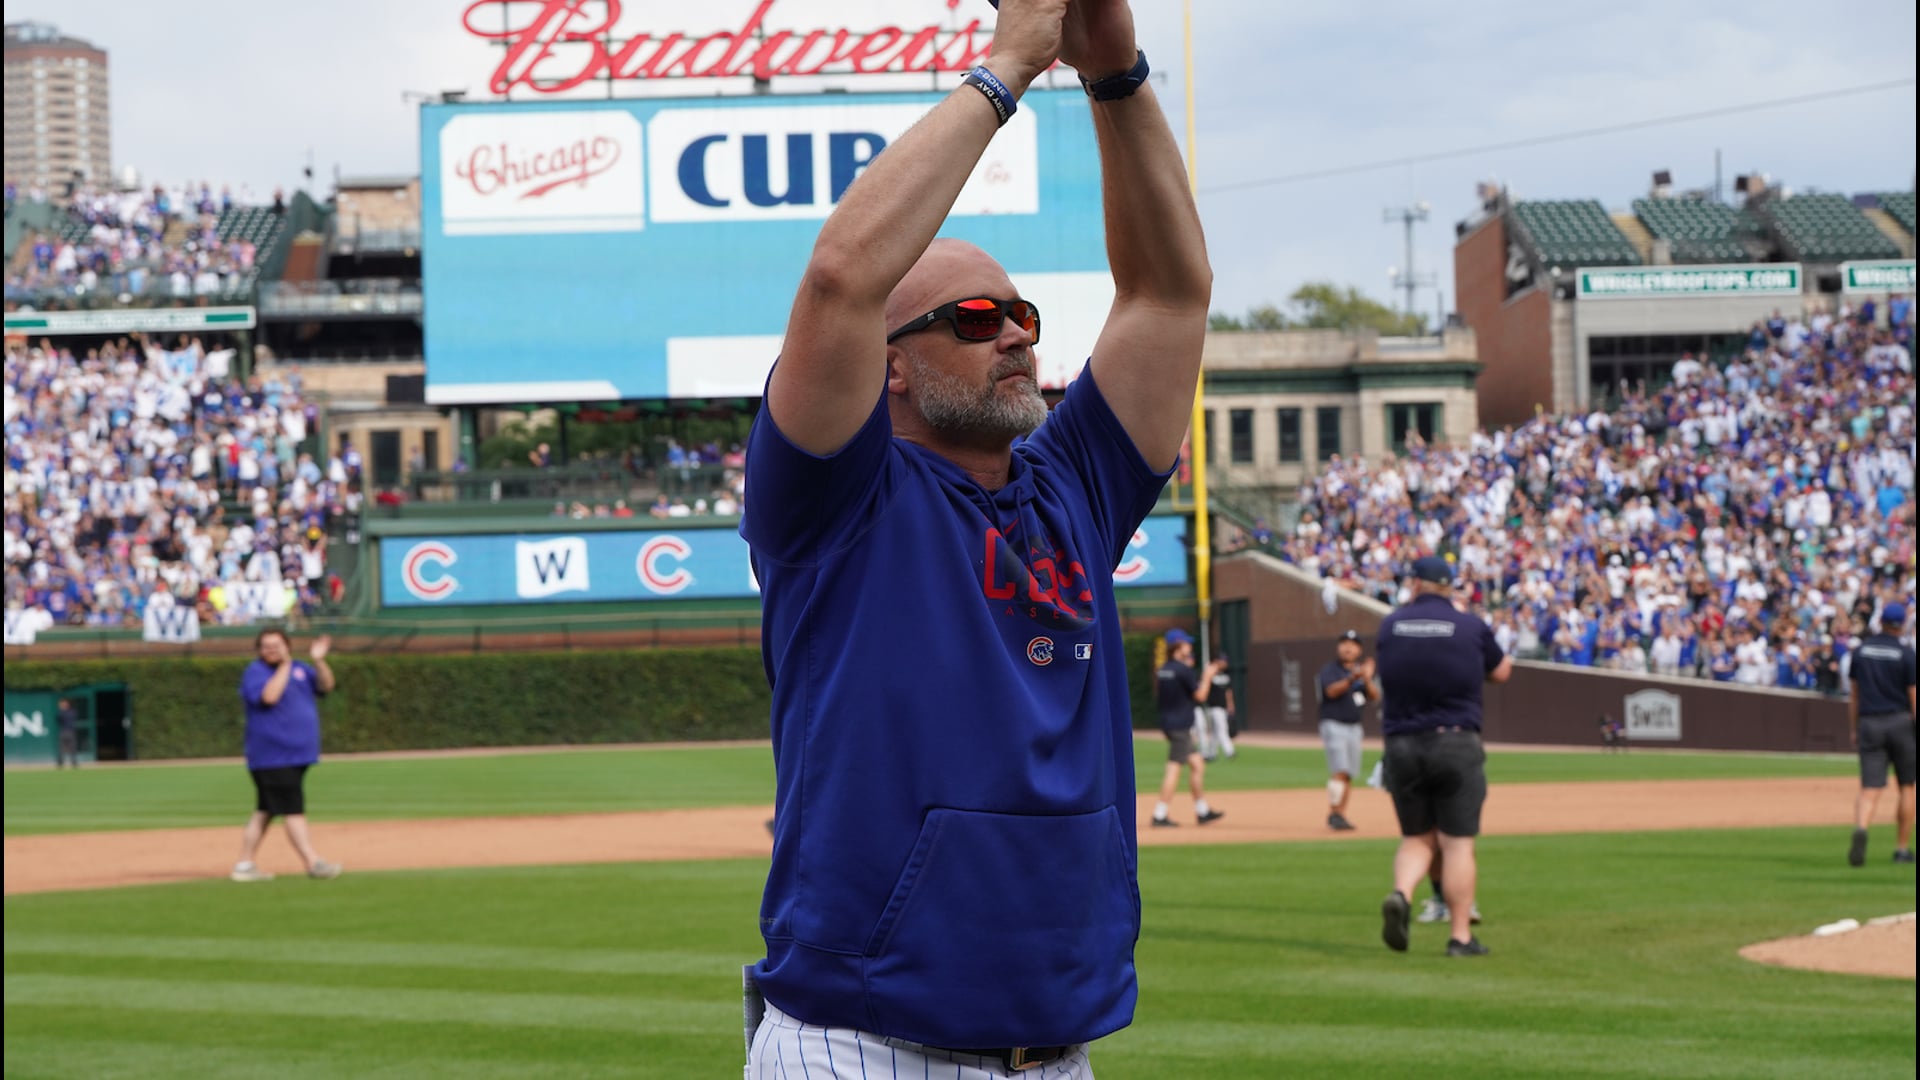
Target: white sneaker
{"type": "Point", "coordinates": [321, 868]}
{"type": "Point", "coordinates": [1436, 910]}
{"type": "Point", "coordinates": [249, 872]}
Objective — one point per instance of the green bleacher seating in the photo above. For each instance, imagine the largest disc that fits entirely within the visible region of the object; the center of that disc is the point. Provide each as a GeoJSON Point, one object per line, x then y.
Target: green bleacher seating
{"type": "Point", "coordinates": [1827, 228]}
{"type": "Point", "coordinates": [1574, 233]}
{"type": "Point", "coordinates": [1699, 231]}
{"type": "Point", "coordinates": [1899, 206]}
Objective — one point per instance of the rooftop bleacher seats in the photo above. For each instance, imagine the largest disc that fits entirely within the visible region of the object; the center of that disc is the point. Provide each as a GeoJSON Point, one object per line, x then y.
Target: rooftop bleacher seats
{"type": "Point", "coordinates": [255, 224]}
{"type": "Point", "coordinates": [1699, 231]}
{"type": "Point", "coordinates": [1574, 233]}
{"type": "Point", "coordinates": [1899, 207]}
{"type": "Point", "coordinates": [1827, 228]}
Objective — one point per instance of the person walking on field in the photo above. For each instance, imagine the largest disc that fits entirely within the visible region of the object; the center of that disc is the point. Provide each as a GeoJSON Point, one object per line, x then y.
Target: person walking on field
{"type": "Point", "coordinates": [1216, 717]}
{"type": "Point", "coordinates": [282, 696]}
{"type": "Point", "coordinates": [1433, 660]}
{"type": "Point", "coordinates": [953, 885]}
{"type": "Point", "coordinates": [1179, 692]}
{"type": "Point", "coordinates": [1880, 716]}
{"type": "Point", "coordinates": [67, 720]}
{"type": "Point", "coordinates": [1344, 685]}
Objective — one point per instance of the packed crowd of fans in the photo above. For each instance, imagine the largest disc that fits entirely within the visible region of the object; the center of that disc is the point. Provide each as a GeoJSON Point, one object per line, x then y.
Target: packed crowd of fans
{"type": "Point", "coordinates": [1746, 523]}
{"type": "Point", "coordinates": [136, 472]}
{"type": "Point", "coordinates": [163, 240]}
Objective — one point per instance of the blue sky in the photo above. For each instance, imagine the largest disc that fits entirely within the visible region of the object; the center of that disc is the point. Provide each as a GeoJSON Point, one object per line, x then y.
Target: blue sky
{"type": "Point", "coordinates": [241, 91]}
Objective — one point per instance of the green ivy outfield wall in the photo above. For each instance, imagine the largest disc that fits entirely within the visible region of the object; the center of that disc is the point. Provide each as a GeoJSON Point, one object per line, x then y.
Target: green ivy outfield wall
{"type": "Point", "coordinates": [190, 707]}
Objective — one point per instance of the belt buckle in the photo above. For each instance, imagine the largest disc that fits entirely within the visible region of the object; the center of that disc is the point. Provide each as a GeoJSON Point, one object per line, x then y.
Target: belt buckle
{"type": "Point", "coordinates": [1019, 1061]}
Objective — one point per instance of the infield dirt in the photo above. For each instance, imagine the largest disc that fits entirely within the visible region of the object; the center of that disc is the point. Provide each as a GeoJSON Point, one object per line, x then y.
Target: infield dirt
{"type": "Point", "coordinates": [112, 859]}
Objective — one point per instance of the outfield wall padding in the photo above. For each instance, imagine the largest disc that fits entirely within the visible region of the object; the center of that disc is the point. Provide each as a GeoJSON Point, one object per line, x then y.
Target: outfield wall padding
{"type": "Point", "coordinates": [1292, 635]}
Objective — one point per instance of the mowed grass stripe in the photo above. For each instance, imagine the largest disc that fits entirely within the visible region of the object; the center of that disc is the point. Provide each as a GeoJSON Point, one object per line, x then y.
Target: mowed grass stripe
{"type": "Point", "coordinates": [282, 998]}
{"type": "Point", "coordinates": [295, 955]}
{"type": "Point", "coordinates": [1614, 956]}
{"type": "Point", "coordinates": [350, 789]}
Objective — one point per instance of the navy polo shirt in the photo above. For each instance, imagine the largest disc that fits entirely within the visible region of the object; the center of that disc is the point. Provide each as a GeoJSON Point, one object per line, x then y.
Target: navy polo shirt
{"type": "Point", "coordinates": [1174, 686]}
{"type": "Point", "coordinates": [1432, 661]}
{"type": "Point", "coordinates": [1883, 670]}
{"type": "Point", "coordinates": [1344, 709]}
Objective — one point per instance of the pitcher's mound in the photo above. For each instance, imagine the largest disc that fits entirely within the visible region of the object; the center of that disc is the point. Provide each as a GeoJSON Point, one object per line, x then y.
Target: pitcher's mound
{"type": "Point", "coordinates": [1883, 947]}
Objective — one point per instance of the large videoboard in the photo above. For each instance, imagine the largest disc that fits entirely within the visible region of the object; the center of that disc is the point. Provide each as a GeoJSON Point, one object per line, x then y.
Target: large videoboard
{"type": "Point", "coordinates": [649, 248]}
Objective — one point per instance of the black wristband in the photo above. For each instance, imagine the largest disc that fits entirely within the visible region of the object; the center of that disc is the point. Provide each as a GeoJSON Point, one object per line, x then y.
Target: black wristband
{"type": "Point", "coordinates": [998, 95]}
{"type": "Point", "coordinates": [1115, 87]}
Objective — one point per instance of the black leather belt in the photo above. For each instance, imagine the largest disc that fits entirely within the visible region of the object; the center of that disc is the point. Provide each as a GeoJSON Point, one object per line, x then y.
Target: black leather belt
{"type": "Point", "coordinates": [1014, 1058]}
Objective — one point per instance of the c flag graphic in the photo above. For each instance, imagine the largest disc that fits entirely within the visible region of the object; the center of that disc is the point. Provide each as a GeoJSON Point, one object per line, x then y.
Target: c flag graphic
{"type": "Point", "coordinates": [423, 570]}
{"type": "Point", "coordinates": [648, 565]}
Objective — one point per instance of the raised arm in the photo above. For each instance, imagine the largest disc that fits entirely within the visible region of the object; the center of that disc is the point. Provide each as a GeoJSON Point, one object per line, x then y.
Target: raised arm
{"type": "Point", "coordinates": [833, 362]}
{"type": "Point", "coordinates": [1147, 359]}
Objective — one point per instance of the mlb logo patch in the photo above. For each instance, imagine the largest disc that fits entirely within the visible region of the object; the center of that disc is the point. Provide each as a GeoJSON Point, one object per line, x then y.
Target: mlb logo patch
{"type": "Point", "coordinates": [1083, 651]}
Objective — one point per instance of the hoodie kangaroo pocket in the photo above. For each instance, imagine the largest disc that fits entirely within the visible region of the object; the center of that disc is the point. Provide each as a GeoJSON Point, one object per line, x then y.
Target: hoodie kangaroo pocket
{"type": "Point", "coordinates": [1007, 929]}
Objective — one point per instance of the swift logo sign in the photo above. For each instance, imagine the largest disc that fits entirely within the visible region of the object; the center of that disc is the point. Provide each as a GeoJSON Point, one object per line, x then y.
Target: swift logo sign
{"type": "Point", "coordinates": [564, 43]}
{"type": "Point", "coordinates": [796, 161]}
{"type": "Point", "coordinates": [541, 172]}
{"type": "Point", "coordinates": [545, 567]}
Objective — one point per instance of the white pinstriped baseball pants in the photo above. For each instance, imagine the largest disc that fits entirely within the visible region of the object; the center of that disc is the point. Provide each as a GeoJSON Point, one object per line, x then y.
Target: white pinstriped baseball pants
{"type": "Point", "coordinates": [786, 1049]}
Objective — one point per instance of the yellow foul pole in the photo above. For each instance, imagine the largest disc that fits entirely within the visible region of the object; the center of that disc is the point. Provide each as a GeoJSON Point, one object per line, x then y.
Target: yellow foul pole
{"type": "Point", "coordinates": [1197, 445]}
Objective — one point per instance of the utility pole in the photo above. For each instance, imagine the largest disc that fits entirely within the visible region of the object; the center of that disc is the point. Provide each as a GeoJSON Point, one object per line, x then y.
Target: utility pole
{"type": "Point", "coordinates": [1403, 276]}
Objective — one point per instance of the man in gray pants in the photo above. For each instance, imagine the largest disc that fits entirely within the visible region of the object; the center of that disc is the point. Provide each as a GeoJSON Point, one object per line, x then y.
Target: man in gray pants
{"type": "Point", "coordinates": [1343, 687]}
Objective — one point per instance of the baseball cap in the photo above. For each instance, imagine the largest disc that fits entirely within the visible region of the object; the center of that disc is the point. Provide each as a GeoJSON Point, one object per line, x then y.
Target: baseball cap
{"type": "Point", "coordinates": [1351, 635]}
{"type": "Point", "coordinates": [1894, 615]}
{"type": "Point", "coordinates": [1177, 636]}
{"type": "Point", "coordinates": [1432, 568]}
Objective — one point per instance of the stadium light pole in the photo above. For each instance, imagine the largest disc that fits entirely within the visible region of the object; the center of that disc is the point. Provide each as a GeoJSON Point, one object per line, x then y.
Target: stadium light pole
{"type": "Point", "coordinates": [1404, 277]}
{"type": "Point", "coordinates": [1197, 436]}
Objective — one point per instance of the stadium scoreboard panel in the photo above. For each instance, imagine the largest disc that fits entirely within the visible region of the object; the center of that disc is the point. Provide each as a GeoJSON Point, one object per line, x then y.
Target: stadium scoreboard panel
{"type": "Point", "coordinates": [649, 248]}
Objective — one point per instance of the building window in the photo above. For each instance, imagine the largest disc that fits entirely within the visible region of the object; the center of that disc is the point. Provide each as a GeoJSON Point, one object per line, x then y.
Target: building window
{"type": "Point", "coordinates": [1326, 422]}
{"type": "Point", "coordinates": [1422, 419]}
{"type": "Point", "coordinates": [1207, 418]}
{"type": "Point", "coordinates": [1240, 436]}
{"type": "Point", "coordinates": [430, 451]}
{"type": "Point", "coordinates": [1289, 436]}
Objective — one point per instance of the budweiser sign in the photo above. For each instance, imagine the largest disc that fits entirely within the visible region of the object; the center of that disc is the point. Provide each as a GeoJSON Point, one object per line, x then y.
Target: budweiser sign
{"type": "Point", "coordinates": [551, 46]}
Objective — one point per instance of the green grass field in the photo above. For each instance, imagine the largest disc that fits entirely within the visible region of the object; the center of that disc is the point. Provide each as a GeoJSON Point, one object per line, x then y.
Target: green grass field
{"type": "Point", "coordinates": [1614, 957]}
{"type": "Point", "coordinates": [348, 789]}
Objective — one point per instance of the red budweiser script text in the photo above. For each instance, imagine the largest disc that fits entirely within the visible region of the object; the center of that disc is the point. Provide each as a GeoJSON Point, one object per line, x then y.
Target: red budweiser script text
{"type": "Point", "coordinates": [568, 42]}
{"type": "Point", "coordinates": [536, 171]}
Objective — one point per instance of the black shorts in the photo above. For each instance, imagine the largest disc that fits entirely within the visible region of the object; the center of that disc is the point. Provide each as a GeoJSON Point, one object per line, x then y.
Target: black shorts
{"type": "Point", "coordinates": [1438, 780]}
{"type": "Point", "coordinates": [280, 790]}
{"type": "Point", "coordinates": [1179, 744]}
{"type": "Point", "coordinates": [1886, 739]}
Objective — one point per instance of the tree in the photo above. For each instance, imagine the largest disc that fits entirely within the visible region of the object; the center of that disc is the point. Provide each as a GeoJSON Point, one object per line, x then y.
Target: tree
{"type": "Point", "coordinates": [1322, 305]}
{"type": "Point", "coordinates": [1260, 317]}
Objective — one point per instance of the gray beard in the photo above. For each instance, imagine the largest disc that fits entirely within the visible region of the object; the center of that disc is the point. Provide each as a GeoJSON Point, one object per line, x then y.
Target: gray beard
{"type": "Point", "coordinates": [953, 407]}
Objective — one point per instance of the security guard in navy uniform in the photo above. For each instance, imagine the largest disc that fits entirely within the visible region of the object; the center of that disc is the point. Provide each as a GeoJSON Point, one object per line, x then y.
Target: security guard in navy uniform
{"type": "Point", "coordinates": [1432, 660]}
{"type": "Point", "coordinates": [1880, 715]}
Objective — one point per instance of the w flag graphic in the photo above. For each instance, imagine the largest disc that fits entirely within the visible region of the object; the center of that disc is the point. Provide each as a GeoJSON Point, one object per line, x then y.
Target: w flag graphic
{"type": "Point", "coordinates": [545, 567]}
{"type": "Point", "coordinates": [177, 625]}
